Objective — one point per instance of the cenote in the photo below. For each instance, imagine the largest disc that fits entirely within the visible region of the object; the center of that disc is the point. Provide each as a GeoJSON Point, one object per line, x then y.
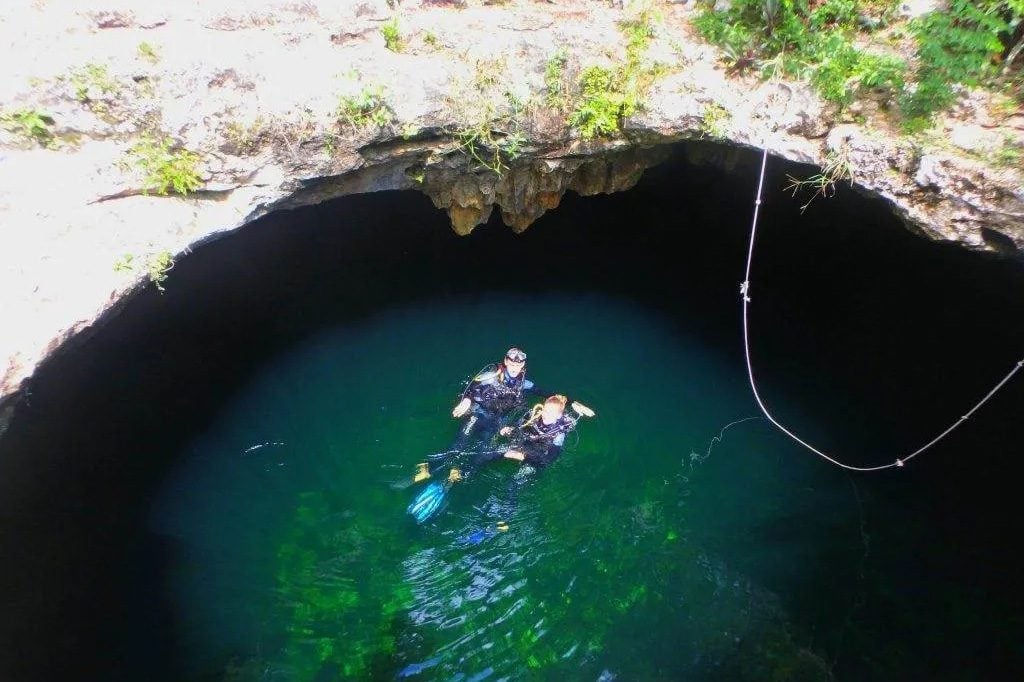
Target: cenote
{"type": "Point", "coordinates": [201, 489]}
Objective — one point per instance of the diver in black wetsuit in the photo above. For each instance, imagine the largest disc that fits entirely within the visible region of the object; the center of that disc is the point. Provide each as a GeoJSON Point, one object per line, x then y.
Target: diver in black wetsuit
{"type": "Point", "coordinates": [537, 440]}
{"type": "Point", "coordinates": [487, 399]}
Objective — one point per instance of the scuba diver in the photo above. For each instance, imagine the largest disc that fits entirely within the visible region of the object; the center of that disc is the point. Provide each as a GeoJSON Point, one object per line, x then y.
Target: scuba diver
{"type": "Point", "coordinates": [536, 441]}
{"type": "Point", "coordinates": [488, 399]}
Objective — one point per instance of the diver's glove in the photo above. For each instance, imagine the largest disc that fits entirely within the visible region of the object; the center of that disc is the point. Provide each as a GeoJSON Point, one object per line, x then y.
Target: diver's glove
{"type": "Point", "coordinates": [581, 409]}
{"type": "Point", "coordinates": [454, 476]}
{"type": "Point", "coordinates": [422, 472]}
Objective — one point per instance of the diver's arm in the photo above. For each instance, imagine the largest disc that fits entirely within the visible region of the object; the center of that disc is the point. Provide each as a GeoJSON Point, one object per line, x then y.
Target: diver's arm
{"type": "Point", "coordinates": [462, 408]}
{"type": "Point", "coordinates": [581, 409]}
{"type": "Point", "coordinates": [472, 394]}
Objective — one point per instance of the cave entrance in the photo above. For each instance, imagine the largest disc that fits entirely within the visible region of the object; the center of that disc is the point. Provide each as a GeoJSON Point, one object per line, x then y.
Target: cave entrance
{"type": "Point", "coordinates": [202, 485]}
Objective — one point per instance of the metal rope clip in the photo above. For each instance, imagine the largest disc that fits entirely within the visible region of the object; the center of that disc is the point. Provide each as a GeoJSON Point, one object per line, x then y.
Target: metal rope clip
{"type": "Point", "coordinates": [899, 462]}
{"type": "Point", "coordinates": [744, 290]}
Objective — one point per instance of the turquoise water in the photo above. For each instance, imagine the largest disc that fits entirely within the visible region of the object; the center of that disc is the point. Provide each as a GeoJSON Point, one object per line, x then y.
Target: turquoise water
{"type": "Point", "coordinates": [648, 551]}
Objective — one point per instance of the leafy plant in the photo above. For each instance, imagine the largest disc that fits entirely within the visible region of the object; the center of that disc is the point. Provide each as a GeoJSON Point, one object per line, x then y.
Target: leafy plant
{"type": "Point", "coordinates": [608, 95]}
{"type": "Point", "coordinates": [430, 39]}
{"type": "Point", "coordinates": [1008, 155]}
{"type": "Point", "coordinates": [714, 119]}
{"type": "Point", "coordinates": [165, 168]}
{"type": "Point", "coordinates": [603, 103]}
{"type": "Point", "coordinates": [961, 45]}
{"type": "Point", "coordinates": [819, 41]}
{"type": "Point", "coordinates": [158, 266]}
{"type": "Point", "coordinates": [93, 82]}
{"type": "Point", "coordinates": [32, 125]}
{"type": "Point", "coordinates": [125, 263]}
{"type": "Point", "coordinates": [148, 52]}
{"type": "Point", "coordinates": [555, 90]}
{"type": "Point", "coordinates": [392, 35]}
{"type": "Point", "coordinates": [366, 108]}
{"type": "Point", "coordinates": [497, 139]}
{"type": "Point", "coordinates": [246, 138]}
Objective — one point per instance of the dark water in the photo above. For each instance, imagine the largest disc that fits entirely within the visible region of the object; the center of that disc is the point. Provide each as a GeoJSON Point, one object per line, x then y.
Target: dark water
{"type": "Point", "coordinates": [202, 490]}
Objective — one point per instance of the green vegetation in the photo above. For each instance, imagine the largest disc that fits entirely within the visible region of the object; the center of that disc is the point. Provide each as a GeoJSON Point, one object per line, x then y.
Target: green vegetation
{"type": "Point", "coordinates": [366, 108]}
{"type": "Point", "coordinates": [1008, 155]}
{"type": "Point", "coordinates": [604, 103]}
{"type": "Point", "coordinates": [157, 266]}
{"type": "Point", "coordinates": [837, 168]}
{"type": "Point", "coordinates": [431, 40]}
{"type": "Point", "coordinates": [392, 35]}
{"type": "Point", "coordinates": [839, 47]}
{"type": "Point", "coordinates": [343, 626]}
{"type": "Point", "coordinates": [125, 263]}
{"type": "Point", "coordinates": [960, 46]}
{"type": "Point", "coordinates": [497, 138]}
{"type": "Point", "coordinates": [246, 139]}
{"type": "Point", "coordinates": [714, 120]}
{"type": "Point", "coordinates": [165, 168]}
{"type": "Point", "coordinates": [608, 95]}
{"type": "Point", "coordinates": [32, 125]}
{"type": "Point", "coordinates": [556, 91]}
{"type": "Point", "coordinates": [148, 52]}
{"type": "Point", "coordinates": [93, 82]}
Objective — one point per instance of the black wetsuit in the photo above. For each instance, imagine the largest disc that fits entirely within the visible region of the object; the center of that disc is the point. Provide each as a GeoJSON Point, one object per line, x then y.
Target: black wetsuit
{"type": "Point", "coordinates": [540, 443]}
{"type": "Point", "coordinates": [494, 395]}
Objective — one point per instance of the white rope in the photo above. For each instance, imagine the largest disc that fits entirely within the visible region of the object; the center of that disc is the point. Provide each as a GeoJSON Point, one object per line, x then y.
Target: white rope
{"type": "Point", "coordinates": [745, 294]}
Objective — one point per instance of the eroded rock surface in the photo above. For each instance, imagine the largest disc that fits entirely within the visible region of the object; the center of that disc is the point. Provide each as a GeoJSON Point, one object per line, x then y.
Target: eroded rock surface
{"type": "Point", "coordinates": [256, 90]}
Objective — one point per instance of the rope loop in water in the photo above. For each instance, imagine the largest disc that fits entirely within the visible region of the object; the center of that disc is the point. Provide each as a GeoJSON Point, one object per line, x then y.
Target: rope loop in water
{"type": "Point", "coordinates": [744, 294]}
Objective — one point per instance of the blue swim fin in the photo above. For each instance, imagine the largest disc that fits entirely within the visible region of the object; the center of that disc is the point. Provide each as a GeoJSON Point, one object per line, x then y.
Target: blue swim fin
{"type": "Point", "coordinates": [428, 502]}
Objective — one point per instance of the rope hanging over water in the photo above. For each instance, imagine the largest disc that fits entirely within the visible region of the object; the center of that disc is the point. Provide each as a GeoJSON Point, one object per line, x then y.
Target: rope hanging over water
{"type": "Point", "coordinates": [745, 294]}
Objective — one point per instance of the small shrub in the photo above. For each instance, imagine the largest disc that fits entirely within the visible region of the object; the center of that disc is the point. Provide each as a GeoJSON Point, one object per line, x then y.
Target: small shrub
{"type": "Point", "coordinates": [392, 35]}
{"type": "Point", "coordinates": [125, 263]}
{"type": "Point", "coordinates": [158, 266]}
{"type": "Point", "coordinates": [32, 125]}
{"type": "Point", "coordinates": [603, 103]}
{"type": "Point", "coordinates": [714, 120]}
{"type": "Point", "coordinates": [607, 96]}
{"type": "Point", "coordinates": [165, 169]}
{"type": "Point", "coordinates": [1008, 155]}
{"type": "Point", "coordinates": [961, 45]}
{"type": "Point", "coordinates": [489, 72]}
{"type": "Point", "coordinates": [366, 108]}
{"type": "Point", "coordinates": [93, 82]}
{"type": "Point", "coordinates": [555, 90]}
{"type": "Point", "coordinates": [431, 40]}
{"type": "Point", "coordinates": [148, 52]}
{"type": "Point", "coordinates": [490, 147]}
{"type": "Point", "coordinates": [246, 139]}
{"type": "Point", "coordinates": [815, 40]}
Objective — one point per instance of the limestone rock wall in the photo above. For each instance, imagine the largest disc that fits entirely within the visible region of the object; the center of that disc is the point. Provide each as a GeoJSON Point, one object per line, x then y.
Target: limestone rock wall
{"type": "Point", "coordinates": [286, 103]}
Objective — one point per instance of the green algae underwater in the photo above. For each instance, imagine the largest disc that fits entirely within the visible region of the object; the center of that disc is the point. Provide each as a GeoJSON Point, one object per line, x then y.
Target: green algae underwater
{"type": "Point", "coordinates": [618, 560]}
